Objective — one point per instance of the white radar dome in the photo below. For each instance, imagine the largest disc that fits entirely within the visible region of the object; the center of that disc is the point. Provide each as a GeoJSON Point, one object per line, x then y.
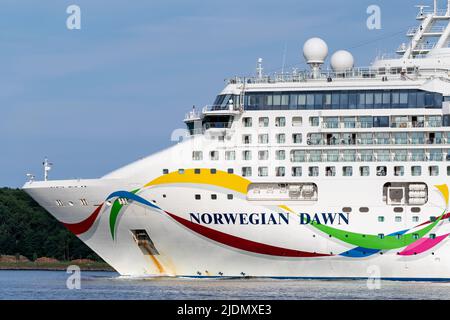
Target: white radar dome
{"type": "Point", "coordinates": [315, 50]}
{"type": "Point", "coordinates": [342, 61]}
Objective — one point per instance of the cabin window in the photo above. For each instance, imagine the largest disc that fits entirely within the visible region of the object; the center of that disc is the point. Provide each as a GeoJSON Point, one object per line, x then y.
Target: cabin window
{"type": "Point", "coordinates": [214, 155]}
{"type": "Point", "coordinates": [296, 171]}
{"type": "Point", "coordinates": [213, 171]}
{"type": "Point", "coordinates": [247, 122]}
{"type": "Point", "coordinates": [330, 171]}
{"type": "Point", "coordinates": [415, 210]}
{"type": "Point", "coordinates": [364, 210]}
{"type": "Point", "coordinates": [165, 171]}
{"type": "Point", "coordinates": [229, 196]}
{"type": "Point", "coordinates": [263, 155]}
{"type": "Point", "coordinates": [399, 171]}
{"type": "Point", "coordinates": [416, 171]}
{"type": "Point", "coordinates": [347, 171]}
{"type": "Point", "coordinates": [364, 171]}
{"type": "Point", "coordinates": [180, 171]}
{"type": "Point", "coordinates": [415, 219]}
{"type": "Point", "coordinates": [230, 171]}
{"type": "Point", "coordinates": [263, 122]}
{"type": "Point", "coordinates": [198, 197]}
{"type": "Point", "coordinates": [297, 138]}
{"type": "Point", "coordinates": [381, 171]}
{"type": "Point", "coordinates": [246, 171]}
{"type": "Point", "coordinates": [246, 155]}
{"type": "Point", "coordinates": [398, 219]}
{"type": "Point", "coordinates": [263, 138]}
{"type": "Point", "coordinates": [314, 121]}
{"type": "Point", "coordinates": [313, 171]}
{"type": "Point", "coordinates": [433, 170]}
{"type": "Point", "coordinates": [280, 155]}
{"type": "Point", "coordinates": [281, 138]}
{"type": "Point", "coordinates": [280, 121]}
{"type": "Point", "coordinates": [247, 139]}
{"type": "Point", "coordinates": [197, 155]}
{"type": "Point", "coordinates": [230, 155]}
{"type": "Point", "coordinates": [380, 219]}
{"type": "Point", "coordinates": [197, 171]}
{"type": "Point", "coordinates": [297, 121]}
{"type": "Point", "coordinates": [263, 171]}
{"type": "Point", "coordinates": [347, 209]}
{"type": "Point", "coordinates": [214, 197]}
{"type": "Point", "coordinates": [398, 209]}
{"type": "Point", "coordinates": [280, 171]}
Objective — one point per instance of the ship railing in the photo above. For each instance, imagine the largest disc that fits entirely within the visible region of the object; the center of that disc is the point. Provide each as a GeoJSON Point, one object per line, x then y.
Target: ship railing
{"type": "Point", "coordinates": [330, 75]}
{"type": "Point", "coordinates": [193, 115]}
{"type": "Point", "coordinates": [229, 107]}
{"type": "Point", "coordinates": [429, 12]}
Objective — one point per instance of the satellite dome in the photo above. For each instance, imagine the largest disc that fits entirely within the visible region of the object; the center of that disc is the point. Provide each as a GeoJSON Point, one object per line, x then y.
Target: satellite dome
{"type": "Point", "coordinates": [342, 61]}
{"type": "Point", "coordinates": [315, 50]}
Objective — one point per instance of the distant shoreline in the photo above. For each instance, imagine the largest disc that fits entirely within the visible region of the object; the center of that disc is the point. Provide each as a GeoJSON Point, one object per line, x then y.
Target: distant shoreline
{"type": "Point", "coordinates": [54, 266]}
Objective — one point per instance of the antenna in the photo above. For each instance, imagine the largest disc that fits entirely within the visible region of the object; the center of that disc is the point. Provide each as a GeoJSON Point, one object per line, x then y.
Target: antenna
{"type": "Point", "coordinates": [435, 7]}
{"type": "Point", "coordinates": [47, 167]}
{"type": "Point", "coordinates": [30, 177]}
{"type": "Point", "coordinates": [284, 58]}
{"type": "Point", "coordinates": [259, 68]}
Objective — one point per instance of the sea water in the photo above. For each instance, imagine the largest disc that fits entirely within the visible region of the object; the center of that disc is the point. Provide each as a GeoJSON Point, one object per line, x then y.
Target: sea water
{"type": "Point", "coordinates": [52, 285]}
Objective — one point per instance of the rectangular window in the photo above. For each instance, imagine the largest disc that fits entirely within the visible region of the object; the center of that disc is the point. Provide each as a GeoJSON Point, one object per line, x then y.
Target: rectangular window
{"type": "Point", "coordinates": [314, 121]}
{"type": "Point", "coordinates": [197, 155]}
{"type": "Point", "coordinates": [296, 171]}
{"type": "Point", "coordinates": [263, 171]}
{"type": "Point", "coordinates": [309, 101]}
{"type": "Point", "coordinates": [246, 139]}
{"type": "Point", "coordinates": [214, 155]}
{"type": "Point", "coordinates": [297, 138]}
{"type": "Point", "coordinates": [416, 171]}
{"type": "Point", "coordinates": [280, 121]}
{"type": "Point", "coordinates": [246, 171]}
{"type": "Point", "coordinates": [347, 171]}
{"type": "Point", "coordinates": [263, 155]}
{"type": "Point", "coordinates": [433, 171]}
{"type": "Point", "coordinates": [280, 171]}
{"type": "Point", "coordinates": [297, 121]}
{"type": "Point", "coordinates": [399, 171]}
{"type": "Point", "coordinates": [247, 122]}
{"type": "Point", "coordinates": [298, 156]}
{"type": "Point", "coordinates": [280, 155]}
{"type": "Point", "coordinates": [364, 171]}
{"type": "Point", "coordinates": [330, 171]}
{"type": "Point", "coordinates": [230, 155]}
{"type": "Point", "coordinates": [281, 138]}
{"type": "Point", "coordinates": [263, 122]}
{"type": "Point", "coordinates": [263, 138]}
{"type": "Point", "coordinates": [313, 171]}
{"type": "Point", "coordinates": [246, 155]}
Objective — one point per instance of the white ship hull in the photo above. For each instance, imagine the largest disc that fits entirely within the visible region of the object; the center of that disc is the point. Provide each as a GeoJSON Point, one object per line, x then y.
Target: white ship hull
{"type": "Point", "coordinates": [275, 249]}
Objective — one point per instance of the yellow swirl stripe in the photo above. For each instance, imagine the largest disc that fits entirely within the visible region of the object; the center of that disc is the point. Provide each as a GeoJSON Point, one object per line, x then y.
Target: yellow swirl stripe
{"type": "Point", "coordinates": [219, 179]}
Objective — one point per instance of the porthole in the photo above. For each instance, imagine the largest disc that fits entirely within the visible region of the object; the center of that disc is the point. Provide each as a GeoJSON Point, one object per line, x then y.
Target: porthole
{"type": "Point", "coordinates": [214, 197]}
{"type": "Point", "coordinates": [398, 210]}
{"type": "Point", "coordinates": [363, 209]}
{"type": "Point", "coordinates": [198, 197]}
{"type": "Point", "coordinates": [347, 209]}
{"type": "Point", "coordinates": [165, 171]}
{"type": "Point", "coordinates": [230, 197]}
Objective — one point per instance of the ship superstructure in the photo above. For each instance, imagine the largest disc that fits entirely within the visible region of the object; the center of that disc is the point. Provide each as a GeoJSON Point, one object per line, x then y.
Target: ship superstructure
{"type": "Point", "coordinates": [318, 173]}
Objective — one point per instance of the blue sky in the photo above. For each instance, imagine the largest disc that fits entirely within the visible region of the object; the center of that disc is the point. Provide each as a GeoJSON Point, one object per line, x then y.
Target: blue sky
{"type": "Point", "coordinates": [98, 98]}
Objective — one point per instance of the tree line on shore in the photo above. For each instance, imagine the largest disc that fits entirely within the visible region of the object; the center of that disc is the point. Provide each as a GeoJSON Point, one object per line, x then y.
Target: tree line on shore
{"type": "Point", "coordinates": [27, 229]}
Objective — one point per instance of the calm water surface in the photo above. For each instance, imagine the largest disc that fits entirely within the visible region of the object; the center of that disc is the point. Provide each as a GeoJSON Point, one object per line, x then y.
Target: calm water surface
{"type": "Point", "coordinates": [108, 285]}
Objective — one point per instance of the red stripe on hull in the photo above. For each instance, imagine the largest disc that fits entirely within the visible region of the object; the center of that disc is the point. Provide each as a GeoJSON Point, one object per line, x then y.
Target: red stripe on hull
{"type": "Point", "coordinates": [243, 244]}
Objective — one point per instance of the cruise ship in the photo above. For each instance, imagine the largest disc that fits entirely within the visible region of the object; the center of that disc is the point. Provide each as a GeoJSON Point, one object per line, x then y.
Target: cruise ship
{"type": "Point", "coordinates": [332, 172]}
